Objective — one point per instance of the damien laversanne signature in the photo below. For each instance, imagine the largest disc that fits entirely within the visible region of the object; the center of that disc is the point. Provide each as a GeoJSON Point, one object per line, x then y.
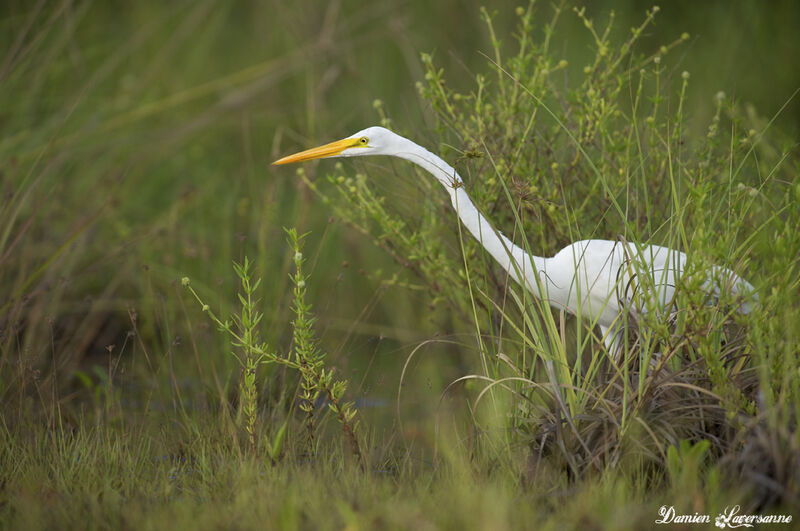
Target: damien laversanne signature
{"type": "Point", "coordinates": [729, 518]}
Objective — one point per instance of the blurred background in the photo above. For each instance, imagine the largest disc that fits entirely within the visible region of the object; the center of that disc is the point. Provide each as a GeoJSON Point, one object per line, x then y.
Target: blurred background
{"type": "Point", "coordinates": [136, 146]}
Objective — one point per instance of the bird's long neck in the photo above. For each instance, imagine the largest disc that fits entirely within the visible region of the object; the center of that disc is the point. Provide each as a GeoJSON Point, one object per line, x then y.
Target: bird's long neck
{"type": "Point", "coordinates": [520, 265]}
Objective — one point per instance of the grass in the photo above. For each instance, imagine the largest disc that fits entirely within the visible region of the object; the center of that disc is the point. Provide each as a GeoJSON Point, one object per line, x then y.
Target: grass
{"type": "Point", "coordinates": [211, 485]}
{"type": "Point", "coordinates": [135, 153]}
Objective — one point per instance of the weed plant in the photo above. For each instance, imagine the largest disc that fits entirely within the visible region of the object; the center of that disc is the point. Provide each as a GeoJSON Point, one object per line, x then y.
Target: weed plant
{"type": "Point", "coordinates": [317, 383]}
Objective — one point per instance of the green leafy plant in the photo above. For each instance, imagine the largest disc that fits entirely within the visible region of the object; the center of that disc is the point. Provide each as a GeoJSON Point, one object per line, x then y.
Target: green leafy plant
{"type": "Point", "coordinates": [316, 379]}
{"type": "Point", "coordinates": [318, 382]}
{"type": "Point", "coordinates": [244, 334]}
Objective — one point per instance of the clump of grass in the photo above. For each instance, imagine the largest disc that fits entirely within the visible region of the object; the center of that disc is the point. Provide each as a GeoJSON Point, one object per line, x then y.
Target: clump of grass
{"type": "Point", "coordinates": [317, 380]}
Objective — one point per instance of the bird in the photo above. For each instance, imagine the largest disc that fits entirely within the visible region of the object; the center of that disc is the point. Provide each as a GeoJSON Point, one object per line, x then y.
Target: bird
{"type": "Point", "coordinates": [603, 281]}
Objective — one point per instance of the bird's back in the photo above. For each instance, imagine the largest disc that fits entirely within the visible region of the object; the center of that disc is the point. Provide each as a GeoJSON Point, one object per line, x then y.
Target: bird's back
{"type": "Point", "coordinates": [599, 279]}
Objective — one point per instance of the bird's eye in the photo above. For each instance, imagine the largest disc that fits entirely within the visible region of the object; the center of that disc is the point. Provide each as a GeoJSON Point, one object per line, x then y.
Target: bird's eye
{"type": "Point", "coordinates": [364, 140]}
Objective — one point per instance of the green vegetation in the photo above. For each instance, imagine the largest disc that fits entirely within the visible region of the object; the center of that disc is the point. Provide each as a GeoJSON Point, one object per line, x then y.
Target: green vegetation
{"type": "Point", "coordinates": [425, 389]}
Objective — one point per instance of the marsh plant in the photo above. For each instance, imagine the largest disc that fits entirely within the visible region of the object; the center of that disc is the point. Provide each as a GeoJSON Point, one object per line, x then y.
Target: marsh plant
{"type": "Point", "coordinates": [318, 382]}
{"type": "Point", "coordinates": [554, 153]}
{"type": "Point", "coordinates": [318, 388]}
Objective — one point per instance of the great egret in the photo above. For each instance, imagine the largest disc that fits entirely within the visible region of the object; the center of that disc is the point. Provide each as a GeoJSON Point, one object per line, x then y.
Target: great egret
{"type": "Point", "coordinates": [591, 278]}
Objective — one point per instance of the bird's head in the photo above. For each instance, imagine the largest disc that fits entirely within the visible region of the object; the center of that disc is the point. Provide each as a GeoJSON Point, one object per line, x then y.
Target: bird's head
{"type": "Point", "coordinates": [369, 141]}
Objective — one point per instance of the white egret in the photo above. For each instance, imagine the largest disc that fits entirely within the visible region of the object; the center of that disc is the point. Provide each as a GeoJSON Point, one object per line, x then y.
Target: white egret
{"type": "Point", "coordinates": [591, 278]}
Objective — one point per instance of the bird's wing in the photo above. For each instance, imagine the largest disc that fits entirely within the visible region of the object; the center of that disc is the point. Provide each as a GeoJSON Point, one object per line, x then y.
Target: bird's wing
{"type": "Point", "coordinates": [584, 278]}
{"type": "Point", "coordinates": [598, 278]}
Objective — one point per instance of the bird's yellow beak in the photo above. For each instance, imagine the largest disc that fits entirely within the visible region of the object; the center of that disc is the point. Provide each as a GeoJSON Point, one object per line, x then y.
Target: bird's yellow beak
{"type": "Point", "coordinates": [328, 150]}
